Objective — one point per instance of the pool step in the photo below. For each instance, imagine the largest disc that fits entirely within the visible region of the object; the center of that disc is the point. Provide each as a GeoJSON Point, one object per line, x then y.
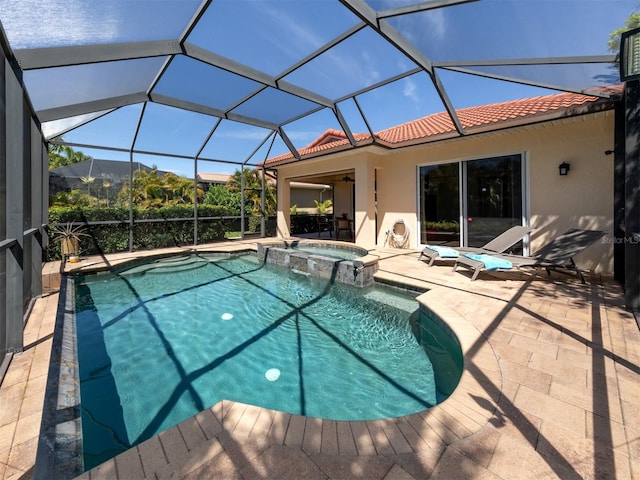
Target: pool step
{"type": "Point", "coordinates": [173, 264]}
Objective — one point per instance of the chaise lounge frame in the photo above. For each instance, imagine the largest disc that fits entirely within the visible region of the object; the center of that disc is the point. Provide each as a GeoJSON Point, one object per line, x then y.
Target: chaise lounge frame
{"type": "Point", "coordinates": [557, 254]}
{"type": "Point", "coordinates": [500, 244]}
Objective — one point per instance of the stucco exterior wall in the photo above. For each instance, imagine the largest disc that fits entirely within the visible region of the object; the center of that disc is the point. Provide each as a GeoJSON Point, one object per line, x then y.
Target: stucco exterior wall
{"type": "Point", "coordinates": [582, 199]}
{"type": "Point", "coordinates": [342, 198]}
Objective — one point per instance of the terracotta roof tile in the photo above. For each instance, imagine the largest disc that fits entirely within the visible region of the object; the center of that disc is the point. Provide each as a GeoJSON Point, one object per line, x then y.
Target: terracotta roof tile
{"type": "Point", "coordinates": [329, 136]}
{"type": "Point", "coordinates": [329, 140]}
{"type": "Point", "coordinates": [470, 118]}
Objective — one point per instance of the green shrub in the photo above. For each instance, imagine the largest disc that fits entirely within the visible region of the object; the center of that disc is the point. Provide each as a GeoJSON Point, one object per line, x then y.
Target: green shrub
{"type": "Point", "coordinates": [159, 231]}
{"type": "Point", "coordinates": [442, 226]}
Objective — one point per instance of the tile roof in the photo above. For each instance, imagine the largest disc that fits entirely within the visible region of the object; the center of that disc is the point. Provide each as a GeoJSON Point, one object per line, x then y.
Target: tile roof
{"type": "Point", "coordinates": [213, 177]}
{"type": "Point", "coordinates": [481, 118]}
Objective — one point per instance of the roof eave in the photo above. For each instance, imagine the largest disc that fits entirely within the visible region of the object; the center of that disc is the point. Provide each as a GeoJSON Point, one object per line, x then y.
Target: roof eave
{"type": "Point", "coordinates": [386, 147]}
{"type": "Point", "coordinates": [574, 111]}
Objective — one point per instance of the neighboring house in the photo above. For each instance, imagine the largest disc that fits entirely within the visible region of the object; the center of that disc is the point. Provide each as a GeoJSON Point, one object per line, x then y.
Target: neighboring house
{"type": "Point", "coordinates": [111, 173]}
{"type": "Point", "coordinates": [503, 171]}
{"type": "Point", "coordinates": [205, 180]}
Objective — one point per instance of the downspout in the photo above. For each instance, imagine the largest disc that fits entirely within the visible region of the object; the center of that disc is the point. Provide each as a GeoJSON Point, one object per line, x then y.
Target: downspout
{"type": "Point", "coordinates": [322, 193]}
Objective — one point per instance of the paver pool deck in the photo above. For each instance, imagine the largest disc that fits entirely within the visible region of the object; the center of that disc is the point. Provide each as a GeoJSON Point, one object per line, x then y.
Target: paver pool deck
{"type": "Point", "coordinates": [551, 389]}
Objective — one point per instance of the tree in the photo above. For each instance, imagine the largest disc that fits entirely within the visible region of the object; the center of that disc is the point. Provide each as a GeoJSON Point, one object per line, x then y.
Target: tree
{"type": "Point", "coordinates": [151, 189]}
{"type": "Point", "coordinates": [614, 37]}
{"type": "Point", "coordinates": [180, 189]}
{"type": "Point", "coordinates": [74, 198]}
{"type": "Point", "coordinates": [88, 181]}
{"type": "Point", "coordinates": [253, 191]}
{"type": "Point", "coordinates": [106, 185]}
{"type": "Point", "coordinates": [63, 155]}
{"type": "Point", "coordinates": [220, 195]}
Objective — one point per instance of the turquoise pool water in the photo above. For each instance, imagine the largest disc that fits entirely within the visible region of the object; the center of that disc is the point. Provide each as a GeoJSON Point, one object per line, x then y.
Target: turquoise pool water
{"type": "Point", "coordinates": [160, 342]}
{"type": "Point", "coordinates": [327, 251]}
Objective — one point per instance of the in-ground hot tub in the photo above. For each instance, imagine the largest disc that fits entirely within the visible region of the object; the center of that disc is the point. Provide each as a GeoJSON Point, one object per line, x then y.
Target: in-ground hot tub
{"type": "Point", "coordinates": [341, 262]}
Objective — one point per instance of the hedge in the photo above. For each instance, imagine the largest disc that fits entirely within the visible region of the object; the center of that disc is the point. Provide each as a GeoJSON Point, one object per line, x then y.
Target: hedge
{"type": "Point", "coordinates": [159, 232]}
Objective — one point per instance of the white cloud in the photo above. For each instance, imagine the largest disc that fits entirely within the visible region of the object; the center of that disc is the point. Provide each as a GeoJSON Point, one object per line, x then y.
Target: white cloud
{"type": "Point", "coordinates": [431, 26]}
{"type": "Point", "coordinates": [438, 23]}
{"type": "Point", "coordinates": [305, 39]}
{"type": "Point", "coordinates": [244, 134]}
{"type": "Point", "coordinates": [302, 135]}
{"type": "Point", "coordinates": [409, 89]}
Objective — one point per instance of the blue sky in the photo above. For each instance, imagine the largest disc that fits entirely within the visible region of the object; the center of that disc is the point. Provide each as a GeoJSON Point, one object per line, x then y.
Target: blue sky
{"type": "Point", "coordinates": [270, 35]}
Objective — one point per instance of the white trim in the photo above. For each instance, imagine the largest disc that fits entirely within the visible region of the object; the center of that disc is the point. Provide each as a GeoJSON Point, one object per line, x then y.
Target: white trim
{"type": "Point", "coordinates": [526, 201]}
{"type": "Point", "coordinates": [462, 198]}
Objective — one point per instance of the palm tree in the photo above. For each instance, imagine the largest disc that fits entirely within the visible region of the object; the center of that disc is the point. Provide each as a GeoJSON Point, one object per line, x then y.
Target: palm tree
{"type": "Point", "coordinates": [148, 188]}
{"type": "Point", "coordinates": [62, 155]}
{"type": "Point", "coordinates": [253, 191]}
{"type": "Point", "coordinates": [323, 207]}
{"type": "Point", "coordinates": [106, 185]}
{"type": "Point", "coordinates": [181, 189]}
{"type": "Point", "coordinates": [152, 189]}
{"type": "Point", "coordinates": [88, 180]}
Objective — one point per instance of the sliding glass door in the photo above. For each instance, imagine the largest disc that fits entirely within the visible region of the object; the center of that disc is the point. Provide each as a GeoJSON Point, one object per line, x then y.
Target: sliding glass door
{"type": "Point", "coordinates": [440, 204]}
{"type": "Point", "coordinates": [493, 198]}
{"type": "Point", "coordinates": [473, 201]}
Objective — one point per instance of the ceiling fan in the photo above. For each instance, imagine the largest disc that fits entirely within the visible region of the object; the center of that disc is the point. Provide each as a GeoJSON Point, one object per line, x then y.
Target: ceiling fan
{"type": "Point", "coordinates": [347, 178]}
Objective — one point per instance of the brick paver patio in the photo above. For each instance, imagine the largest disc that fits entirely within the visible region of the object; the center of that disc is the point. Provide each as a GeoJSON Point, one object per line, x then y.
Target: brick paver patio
{"type": "Point", "coordinates": [551, 389]}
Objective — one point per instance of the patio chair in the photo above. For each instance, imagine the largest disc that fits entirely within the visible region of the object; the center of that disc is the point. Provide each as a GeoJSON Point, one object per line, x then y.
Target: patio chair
{"type": "Point", "coordinates": [324, 225]}
{"type": "Point", "coordinates": [500, 244]}
{"type": "Point", "coordinates": [343, 225]}
{"type": "Point", "coordinates": [557, 254]}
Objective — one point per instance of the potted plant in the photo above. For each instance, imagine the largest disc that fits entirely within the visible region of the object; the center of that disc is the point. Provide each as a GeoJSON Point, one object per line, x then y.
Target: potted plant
{"type": "Point", "coordinates": [69, 237]}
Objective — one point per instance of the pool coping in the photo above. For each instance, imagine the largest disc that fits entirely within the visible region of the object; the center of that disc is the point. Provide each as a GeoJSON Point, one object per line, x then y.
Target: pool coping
{"type": "Point", "coordinates": [60, 440]}
{"type": "Point", "coordinates": [458, 417]}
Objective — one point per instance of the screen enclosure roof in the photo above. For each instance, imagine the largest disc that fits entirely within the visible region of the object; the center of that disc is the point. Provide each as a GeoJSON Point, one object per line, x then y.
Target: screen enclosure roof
{"type": "Point", "coordinates": [239, 81]}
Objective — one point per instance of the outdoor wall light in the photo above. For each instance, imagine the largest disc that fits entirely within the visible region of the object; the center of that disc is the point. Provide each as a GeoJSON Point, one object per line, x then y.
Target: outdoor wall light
{"type": "Point", "coordinates": [630, 55]}
{"type": "Point", "coordinates": [564, 168]}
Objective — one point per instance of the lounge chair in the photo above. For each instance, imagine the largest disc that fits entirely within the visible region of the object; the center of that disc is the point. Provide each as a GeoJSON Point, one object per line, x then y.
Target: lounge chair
{"type": "Point", "coordinates": [557, 254]}
{"type": "Point", "coordinates": [500, 244]}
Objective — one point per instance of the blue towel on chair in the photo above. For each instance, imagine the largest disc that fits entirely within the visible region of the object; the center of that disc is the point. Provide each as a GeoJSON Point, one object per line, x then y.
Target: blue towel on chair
{"type": "Point", "coordinates": [490, 263]}
{"type": "Point", "coordinates": [444, 252]}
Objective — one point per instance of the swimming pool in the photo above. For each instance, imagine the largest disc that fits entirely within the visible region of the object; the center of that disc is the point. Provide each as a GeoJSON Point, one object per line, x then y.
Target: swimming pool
{"type": "Point", "coordinates": [161, 341]}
